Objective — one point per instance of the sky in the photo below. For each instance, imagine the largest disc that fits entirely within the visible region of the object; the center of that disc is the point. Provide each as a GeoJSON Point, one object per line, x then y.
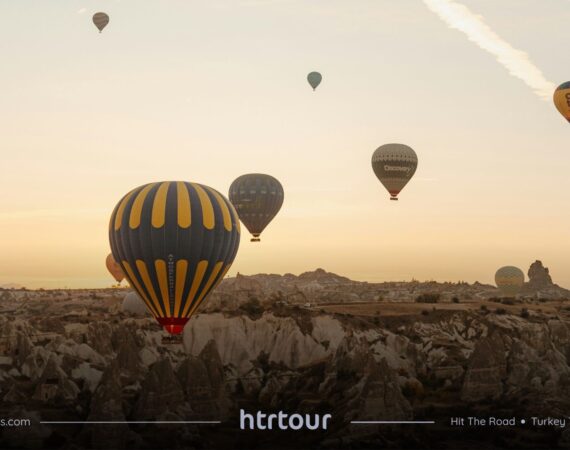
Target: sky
{"type": "Point", "coordinates": [205, 91]}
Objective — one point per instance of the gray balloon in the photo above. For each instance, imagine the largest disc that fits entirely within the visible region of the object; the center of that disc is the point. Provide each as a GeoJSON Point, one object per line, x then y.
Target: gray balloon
{"type": "Point", "coordinates": [135, 305]}
{"type": "Point", "coordinates": [314, 79]}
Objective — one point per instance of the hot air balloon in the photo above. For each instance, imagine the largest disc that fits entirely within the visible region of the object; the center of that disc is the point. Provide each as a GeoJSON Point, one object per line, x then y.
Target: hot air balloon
{"type": "Point", "coordinates": [509, 280]}
{"type": "Point", "coordinates": [314, 79]}
{"type": "Point", "coordinates": [133, 304]}
{"type": "Point", "coordinates": [175, 242]}
{"type": "Point", "coordinates": [257, 198]}
{"type": "Point", "coordinates": [114, 268]}
{"type": "Point", "coordinates": [562, 99]}
{"type": "Point", "coordinates": [394, 165]}
{"type": "Point", "coordinates": [101, 20]}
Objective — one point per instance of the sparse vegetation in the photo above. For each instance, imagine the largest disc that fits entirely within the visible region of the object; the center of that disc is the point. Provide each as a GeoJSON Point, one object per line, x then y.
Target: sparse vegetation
{"type": "Point", "coordinates": [500, 311]}
{"type": "Point", "coordinates": [428, 298]}
{"type": "Point", "coordinates": [252, 307]}
{"type": "Point", "coordinates": [524, 313]}
{"type": "Point", "coordinates": [455, 299]}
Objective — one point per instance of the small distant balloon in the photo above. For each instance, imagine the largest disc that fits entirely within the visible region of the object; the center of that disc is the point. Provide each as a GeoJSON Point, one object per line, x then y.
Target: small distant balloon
{"type": "Point", "coordinates": [562, 100]}
{"type": "Point", "coordinates": [314, 79]}
{"type": "Point", "coordinates": [114, 268]}
{"type": "Point", "coordinates": [101, 20]}
{"type": "Point", "coordinates": [509, 280]}
{"type": "Point", "coordinates": [394, 165]}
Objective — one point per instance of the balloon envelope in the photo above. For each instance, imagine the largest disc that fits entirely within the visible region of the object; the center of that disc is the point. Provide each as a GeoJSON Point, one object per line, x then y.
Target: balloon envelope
{"type": "Point", "coordinates": [562, 100]}
{"type": "Point", "coordinates": [509, 280]}
{"type": "Point", "coordinates": [175, 242]}
{"type": "Point", "coordinates": [314, 79]}
{"type": "Point", "coordinates": [101, 20]}
{"type": "Point", "coordinates": [114, 268]}
{"type": "Point", "coordinates": [394, 165]}
{"type": "Point", "coordinates": [133, 304]}
{"type": "Point", "coordinates": [257, 198]}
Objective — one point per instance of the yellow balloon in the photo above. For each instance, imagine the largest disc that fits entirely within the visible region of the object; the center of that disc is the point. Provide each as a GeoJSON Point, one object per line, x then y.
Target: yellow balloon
{"type": "Point", "coordinates": [510, 280]}
{"type": "Point", "coordinates": [562, 99]}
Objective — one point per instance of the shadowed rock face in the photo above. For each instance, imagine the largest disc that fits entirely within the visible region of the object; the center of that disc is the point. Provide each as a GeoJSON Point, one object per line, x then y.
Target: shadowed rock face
{"type": "Point", "coordinates": [486, 371]}
{"type": "Point", "coordinates": [107, 405]}
{"type": "Point", "coordinates": [202, 379]}
{"type": "Point", "coordinates": [161, 392]}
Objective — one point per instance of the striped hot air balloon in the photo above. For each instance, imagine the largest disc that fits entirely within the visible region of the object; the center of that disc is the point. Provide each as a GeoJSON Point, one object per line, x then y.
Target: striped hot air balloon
{"type": "Point", "coordinates": [101, 20]}
{"type": "Point", "coordinates": [394, 165]}
{"type": "Point", "coordinates": [509, 280]}
{"type": "Point", "coordinates": [257, 198]}
{"type": "Point", "coordinates": [175, 242]}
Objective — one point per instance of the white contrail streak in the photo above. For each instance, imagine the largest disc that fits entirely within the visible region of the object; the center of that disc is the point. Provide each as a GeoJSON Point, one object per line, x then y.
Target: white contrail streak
{"type": "Point", "coordinates": [517, 62]}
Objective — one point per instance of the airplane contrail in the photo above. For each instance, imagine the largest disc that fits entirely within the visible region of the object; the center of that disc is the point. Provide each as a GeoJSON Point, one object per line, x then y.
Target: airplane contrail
{"type": "Point", "coordinates": [517, 62]}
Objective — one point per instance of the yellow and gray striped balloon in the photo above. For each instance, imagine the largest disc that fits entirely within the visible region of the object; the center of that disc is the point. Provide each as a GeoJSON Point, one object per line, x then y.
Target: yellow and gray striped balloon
{"type": "Point", "coordinates": [175, 241]}
{"type": "Point", "coordinates": [509, 280]}
{"type": "Point", "coordinates": [101, 20]}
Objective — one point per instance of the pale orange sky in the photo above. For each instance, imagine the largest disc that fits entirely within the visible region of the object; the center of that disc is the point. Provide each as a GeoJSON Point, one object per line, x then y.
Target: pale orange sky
{"type": "Point", "coordinates": [205, 91]}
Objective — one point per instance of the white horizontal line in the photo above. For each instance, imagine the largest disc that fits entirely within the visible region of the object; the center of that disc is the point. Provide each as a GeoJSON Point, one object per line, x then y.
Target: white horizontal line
{"type": "Point", "coordinates": [72, 422]}
{"type": "Point", "coordinates": [386, 422]}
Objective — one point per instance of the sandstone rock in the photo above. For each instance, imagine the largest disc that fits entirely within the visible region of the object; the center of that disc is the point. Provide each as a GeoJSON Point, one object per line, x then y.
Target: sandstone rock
{"type": "Point", "coordinates": [99, 337]}
{"type": "Point", "coordinates": [202, 380]}
{"type": "Point", "coordinates": [107, 405]}
{"type": "Point", "coordinates": [486, 370]}
{"type": "Point", "coordinates": [54, 384]}
{"type": "Point", "coordinates": [538, 276]}
{"type": "Point", "coordinates": [161, 392]}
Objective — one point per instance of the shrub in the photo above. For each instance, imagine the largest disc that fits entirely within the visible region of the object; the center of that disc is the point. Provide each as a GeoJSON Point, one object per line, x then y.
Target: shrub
{"type": "Point", "coordinates": [252, 307]}
{"type": "Point", "coordinates": [455, 300]}
{"type": "Point", "coordinates": [425, 312]}
{"type": "Point", "coordinates": [524, 313]}
{"type": "Point", "coordinates": [427, 298]}
{"type": "Point", "coordinates": [501, 311]}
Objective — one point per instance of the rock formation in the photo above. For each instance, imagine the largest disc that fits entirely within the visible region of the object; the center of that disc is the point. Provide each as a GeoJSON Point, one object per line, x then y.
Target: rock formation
{"type": "Point", "coordinates": [538, 276]}
{"type": "Point", "coordinates": [161, 393]}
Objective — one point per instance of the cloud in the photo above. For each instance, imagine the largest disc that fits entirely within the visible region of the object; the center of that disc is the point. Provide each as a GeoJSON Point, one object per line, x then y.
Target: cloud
{"type": "Point", "coordinates": [82, 11]}
{"type": "Point", "coordinates": [517, 62]}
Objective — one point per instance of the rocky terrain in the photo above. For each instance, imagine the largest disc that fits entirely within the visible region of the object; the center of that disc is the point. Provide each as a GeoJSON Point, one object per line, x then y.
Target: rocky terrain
{"type": "Point", "coordinates": [270, 342]}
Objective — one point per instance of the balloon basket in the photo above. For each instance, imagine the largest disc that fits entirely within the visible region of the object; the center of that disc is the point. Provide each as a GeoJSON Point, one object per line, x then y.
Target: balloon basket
{"type": "Point", "coordinates": [172, 339]}
{"type": "Point", "coordinates": [255, 239]}
{"type": "Point", "coordinates": [394, 199]}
